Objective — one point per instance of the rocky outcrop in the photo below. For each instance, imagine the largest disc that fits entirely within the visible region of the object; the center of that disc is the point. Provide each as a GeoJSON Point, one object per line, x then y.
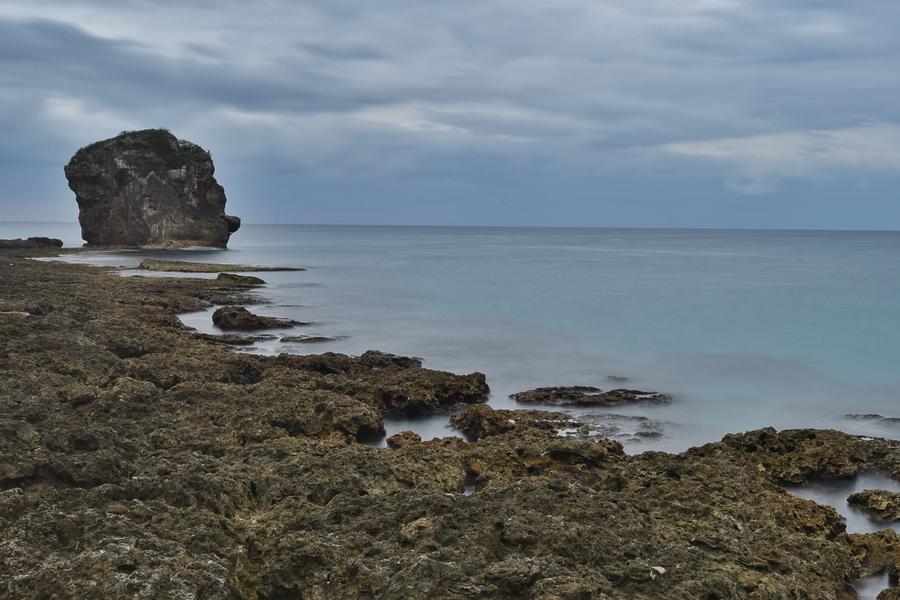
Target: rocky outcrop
{"type": "Point", "coordinates": [880, 504]}
{"type": "Point", "coordinates": [148, 188]}
{"type": "Point", "coordinates": [30, 243]}
{"type": "Point", "coordinates": [238, 317]}
{"type": "Point", "coordinates": [580, 395]}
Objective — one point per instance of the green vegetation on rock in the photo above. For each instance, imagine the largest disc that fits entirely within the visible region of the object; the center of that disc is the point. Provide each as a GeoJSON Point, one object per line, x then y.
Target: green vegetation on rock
{"type": "Point", "coordinates": [153, 150]}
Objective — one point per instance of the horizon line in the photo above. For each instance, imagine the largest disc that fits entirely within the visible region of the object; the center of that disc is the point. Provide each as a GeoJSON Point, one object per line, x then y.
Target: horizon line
{"type": "Point", "coordinates": [580, 227]}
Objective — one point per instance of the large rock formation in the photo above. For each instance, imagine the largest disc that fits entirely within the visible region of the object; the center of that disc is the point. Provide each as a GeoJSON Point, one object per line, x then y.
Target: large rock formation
{"type": "Point", "coordinates": [148, 188]}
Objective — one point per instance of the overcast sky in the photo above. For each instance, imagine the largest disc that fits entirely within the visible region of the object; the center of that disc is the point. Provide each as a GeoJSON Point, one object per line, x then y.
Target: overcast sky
{"type": "Point", "coordinates": [706, 113]}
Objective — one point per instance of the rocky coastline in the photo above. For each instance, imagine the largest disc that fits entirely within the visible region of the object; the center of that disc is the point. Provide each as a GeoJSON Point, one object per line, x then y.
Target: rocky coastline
{"type": "Point", "coordinates": [141, 459]}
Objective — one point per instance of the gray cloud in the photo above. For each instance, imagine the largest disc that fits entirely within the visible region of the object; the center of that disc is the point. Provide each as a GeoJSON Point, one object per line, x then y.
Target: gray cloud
{"type": "Point", "coordinates": [493, 94]}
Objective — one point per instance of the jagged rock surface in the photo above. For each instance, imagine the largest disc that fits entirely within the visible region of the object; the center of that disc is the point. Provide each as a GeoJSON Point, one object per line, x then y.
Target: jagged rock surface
{"type": "Point", "coordinates": [880, 504]}
{"type": "Point", "coordinates": [148, 188]}
{"type": "Point", "coordinates": [139, 460]}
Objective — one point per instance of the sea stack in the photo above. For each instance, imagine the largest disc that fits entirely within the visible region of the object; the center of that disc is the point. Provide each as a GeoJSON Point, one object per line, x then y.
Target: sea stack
{"type": "Point", "coordinates": [149, 189]}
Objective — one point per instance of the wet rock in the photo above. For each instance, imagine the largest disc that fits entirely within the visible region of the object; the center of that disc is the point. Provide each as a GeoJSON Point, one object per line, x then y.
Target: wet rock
{"type": "Point", "coordinates": [404, 439]}
{"type": "Point", "coordinates": [148, 188]}
{"type": "Point", "coordinates": [30, 243]}
{"type": "Point", "coordinates": [378, 359]}
{"type": "Point", "coordinates": [890, 594]}
{"type": "Point", "coordinates": [480, 421]}
{"type": "Point", "coordinates": [233, 339]}
{"type": "Point", "coordinates": [625, 428]}
{"type": "Point", "coordinates": [588, 396]}
{"type": "Point", "coordinates": [874, 417]}
{"type": "Point", "coordinates": [183, 266]}
{"type": "Point", "coordinates": [238, 317]}
{"type": "Point", "coordinates": [239, 280]}
{"type": "Point", "coordinates": [880, 504]}
{"type": "Point", "coordinates": [308, 339]}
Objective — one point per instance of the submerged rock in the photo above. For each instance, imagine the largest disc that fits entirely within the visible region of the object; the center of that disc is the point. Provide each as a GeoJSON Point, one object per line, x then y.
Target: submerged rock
{"type": "Point", "coordinates": [580, 395]}
{"type": "Point", "coordinates": [238, 317]}
{"type": "Point", "coordinates": [625, 428]}
{"type": "Point", "coordinates": [880, 504]}
{"type": "Point", "coordinates": [481, 421]}
{"type": "Point", "coordinates": [32, 242]}
{"type": "Point", "coordinates": [874, 418]}
{"type": "Point", "coordinates": [148, 188]}
{"type": "Point", "coordinates": [184, 266]}
{"type": "Point", "coordinates": [239, 280]}
{"type": "Point", "coordinates": [309, 339]}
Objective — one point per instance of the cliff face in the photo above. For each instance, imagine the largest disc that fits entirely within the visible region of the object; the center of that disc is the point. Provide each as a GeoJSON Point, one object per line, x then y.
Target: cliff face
{"type": "Point", "coordinates": [148, 188]}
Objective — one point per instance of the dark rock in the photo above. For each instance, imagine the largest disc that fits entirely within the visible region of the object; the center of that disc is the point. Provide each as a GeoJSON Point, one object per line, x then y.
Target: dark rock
{"type": "Point", "coordinates": [625, 428]}
{"type": "Point", "coordinates": [234, 339]}
{"type": "Point", "coordinates": [148, 188]}
{"type": "Point", "coordinates": [378, 359]}
{"type": "Point", "coordinates": [239, 280]}
{"type": "Point", "coordinates": [308, 339]}
{"type": "Point", "coordinates": [874, 417]}
{"type": "Point", "coordinates": [238, 317]}
{"type": "Point", "coordinates": [30, 243]}
{"type": "Point", "coordinates": [579, 395]}
{"type": "Point", "coordinates": [880, 504]}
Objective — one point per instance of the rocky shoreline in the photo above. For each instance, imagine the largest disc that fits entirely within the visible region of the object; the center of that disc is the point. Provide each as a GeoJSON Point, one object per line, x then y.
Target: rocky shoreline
{"type": "Point", "coordinates": [140, 459]}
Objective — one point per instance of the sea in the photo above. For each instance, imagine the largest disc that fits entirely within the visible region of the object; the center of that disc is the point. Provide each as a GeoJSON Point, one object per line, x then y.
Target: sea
{"type": "Point", "coordinates": [745, 329]}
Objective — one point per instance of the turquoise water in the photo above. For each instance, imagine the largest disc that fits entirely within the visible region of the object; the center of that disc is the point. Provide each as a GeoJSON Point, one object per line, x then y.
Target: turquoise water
{"type": "Point", "coordinates": [745, 328]}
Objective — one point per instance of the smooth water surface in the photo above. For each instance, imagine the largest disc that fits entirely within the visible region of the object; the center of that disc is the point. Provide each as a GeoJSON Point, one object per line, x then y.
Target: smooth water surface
{"type": "Point", "coordinates": [745, 328]}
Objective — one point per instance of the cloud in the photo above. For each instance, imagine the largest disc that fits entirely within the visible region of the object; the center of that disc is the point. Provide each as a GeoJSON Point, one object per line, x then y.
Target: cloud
{"type": "Point", "coordinates": [529, 96]}
{"type": "Point", "coordinates": [763, 160]}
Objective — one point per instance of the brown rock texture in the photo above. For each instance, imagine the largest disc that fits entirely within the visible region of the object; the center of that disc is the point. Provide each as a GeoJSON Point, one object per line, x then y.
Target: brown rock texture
{"type": "Point", "coordinates": [148, 188]}
{"type": "Point", "coordinates": [140, 460]}
{"type": "Point", "coordinates": [239, 318]}
{"type": "Point", "coordinates": [881, 504]}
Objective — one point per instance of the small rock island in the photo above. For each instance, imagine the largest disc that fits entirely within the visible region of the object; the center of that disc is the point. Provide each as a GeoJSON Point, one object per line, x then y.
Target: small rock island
{"type": "Point", "coordinates": [149, 189]}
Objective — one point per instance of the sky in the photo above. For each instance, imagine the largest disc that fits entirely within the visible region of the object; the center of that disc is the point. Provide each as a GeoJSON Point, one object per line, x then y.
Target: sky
{"type": "Point", "coordinates": [608, 113]}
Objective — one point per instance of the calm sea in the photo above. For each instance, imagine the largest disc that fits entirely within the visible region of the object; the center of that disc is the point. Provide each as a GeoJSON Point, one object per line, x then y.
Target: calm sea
{"type": "Point", "coordinates": [744, 328]}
